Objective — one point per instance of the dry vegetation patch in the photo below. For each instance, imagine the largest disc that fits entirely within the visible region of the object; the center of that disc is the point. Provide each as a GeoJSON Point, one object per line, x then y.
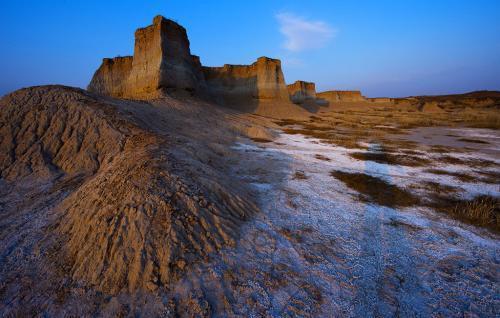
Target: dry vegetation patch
{"type": "Point", "coordinates": [471, 162]}
{"type": "Point", "coordinates": [460, 176]}
{"type": "Point", "coordinates": [391, 159]}
{"type": "Point", "coordinates": [481, 211]}
{"type": "Point", "coordinates": [377, 190]}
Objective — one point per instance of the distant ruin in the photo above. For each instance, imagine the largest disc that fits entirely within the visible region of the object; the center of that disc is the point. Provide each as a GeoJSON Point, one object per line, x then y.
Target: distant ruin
{"type": "Point", "coordinates": [300, 91]}
{"type": "Point", "coordinates": [341, 96]}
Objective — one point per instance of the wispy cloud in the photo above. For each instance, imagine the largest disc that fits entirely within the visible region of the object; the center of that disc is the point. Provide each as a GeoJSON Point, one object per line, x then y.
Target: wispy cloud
{"type": "Point", "coordinates": [302, 34]}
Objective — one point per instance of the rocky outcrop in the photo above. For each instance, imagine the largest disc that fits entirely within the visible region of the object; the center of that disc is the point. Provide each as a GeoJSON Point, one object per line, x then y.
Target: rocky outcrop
{"type": "Point", "coordinates": [341, 96]}
{"type": "Point", "coordinates": [263, 80]}
{"type": "Point", "coordinates": [162, 62]}
{"type": "Point", "coordinates": [301, 91]}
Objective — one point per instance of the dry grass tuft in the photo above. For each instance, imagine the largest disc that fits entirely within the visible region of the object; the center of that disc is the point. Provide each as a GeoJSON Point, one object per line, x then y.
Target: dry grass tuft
{"type": "Point", "coordinates": [482, 211]}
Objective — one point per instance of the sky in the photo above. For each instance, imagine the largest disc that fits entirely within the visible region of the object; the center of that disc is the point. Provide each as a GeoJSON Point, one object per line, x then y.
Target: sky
{"type": "Point", "coordinates": [383, 47]}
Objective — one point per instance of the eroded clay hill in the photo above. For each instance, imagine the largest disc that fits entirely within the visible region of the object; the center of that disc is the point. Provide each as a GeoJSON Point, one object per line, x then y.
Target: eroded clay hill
{"type": "Point", "coordinates": [114, 198]}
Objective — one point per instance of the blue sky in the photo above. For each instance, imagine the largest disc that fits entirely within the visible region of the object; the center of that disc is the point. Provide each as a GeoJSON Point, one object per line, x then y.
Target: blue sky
{"type": "Point", "coordinates": [384, 48]}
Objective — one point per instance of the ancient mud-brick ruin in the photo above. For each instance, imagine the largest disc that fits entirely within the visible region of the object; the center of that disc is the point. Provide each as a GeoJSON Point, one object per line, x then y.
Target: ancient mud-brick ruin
{"type": "Point", "coordinates": [163, 64]}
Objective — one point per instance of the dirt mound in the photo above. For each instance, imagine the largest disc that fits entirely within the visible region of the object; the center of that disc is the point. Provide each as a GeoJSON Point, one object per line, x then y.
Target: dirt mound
{"type": "Point", "coordinates": [132, 214]}
{"type": "Point", "coordinates": [51, 130]}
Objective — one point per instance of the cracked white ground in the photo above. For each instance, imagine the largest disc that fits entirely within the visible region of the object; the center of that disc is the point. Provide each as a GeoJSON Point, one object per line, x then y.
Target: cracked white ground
{"type": "Point", "coordinates": [317, 250]}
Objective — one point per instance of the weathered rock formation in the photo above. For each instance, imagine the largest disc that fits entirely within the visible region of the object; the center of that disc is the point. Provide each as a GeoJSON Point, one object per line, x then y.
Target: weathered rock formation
{"type": "Point", "coordinates": [301, 91]}
{"type": "Point", "coordinates": [235, 84]}
{"type": "Point", "coordinates": [162, 62]}
{"type": "Point", "coordinates": [341, 96]}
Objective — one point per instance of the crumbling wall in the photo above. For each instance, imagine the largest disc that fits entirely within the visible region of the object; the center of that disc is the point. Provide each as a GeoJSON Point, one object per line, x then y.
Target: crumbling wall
{"type": "Point", "coordinates": [301, 91]}
{"type": "Point", "coordinates": [263, 80]}
{"type": "Point", "coordinates": [162, 62]}
{"type": "Point", "coordinates": [341, 96]}
{"type": "Point", "coordinates": [110, 78]}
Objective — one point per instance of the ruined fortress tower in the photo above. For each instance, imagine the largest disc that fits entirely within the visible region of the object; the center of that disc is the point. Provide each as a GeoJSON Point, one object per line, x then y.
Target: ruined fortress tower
{"type": "Point", "coordinates": [162, 62]}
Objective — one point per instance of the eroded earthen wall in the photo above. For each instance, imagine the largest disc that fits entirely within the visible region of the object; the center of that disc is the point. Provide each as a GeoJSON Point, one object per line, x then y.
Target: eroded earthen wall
{"type": "Point", "coordinates": [301, 91]}
{"type": "Point", "coordinates": [162, 61]}
{"type": "Point", "coordinates": [110, 78]}
{"type": "Point", "coordinates": [263, 80]}
{"type": "Point", "coordinates": [341, 96]}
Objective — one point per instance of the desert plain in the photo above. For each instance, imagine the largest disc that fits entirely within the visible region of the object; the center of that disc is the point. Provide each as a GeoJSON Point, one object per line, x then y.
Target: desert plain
{"type": "Point", "coordinates": [169, 188]}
